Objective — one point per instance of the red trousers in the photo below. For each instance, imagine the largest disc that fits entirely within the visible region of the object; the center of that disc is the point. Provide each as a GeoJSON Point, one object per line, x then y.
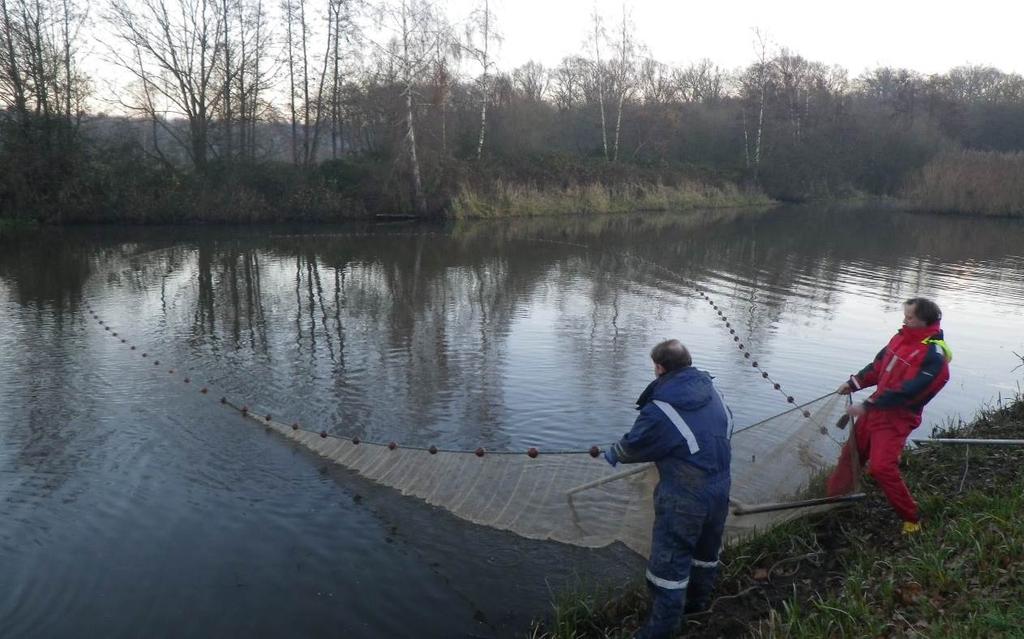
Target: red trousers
{"type": "Point", "coordinates": [880, 436]}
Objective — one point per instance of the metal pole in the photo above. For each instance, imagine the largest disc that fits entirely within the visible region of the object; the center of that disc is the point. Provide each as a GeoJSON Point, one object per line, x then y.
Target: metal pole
{"type": "Point", "coordinates": [744, 509]}
{"type": "Point", "coordinates": [990, 442]}
{"type": "Point", "coordinates": [597, 482]}
{"type": "Point", "coordinates": [785, 412]}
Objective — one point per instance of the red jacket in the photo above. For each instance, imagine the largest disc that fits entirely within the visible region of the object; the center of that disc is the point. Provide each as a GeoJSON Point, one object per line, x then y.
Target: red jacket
{"type": "Point", "coordinates": [908, 372]}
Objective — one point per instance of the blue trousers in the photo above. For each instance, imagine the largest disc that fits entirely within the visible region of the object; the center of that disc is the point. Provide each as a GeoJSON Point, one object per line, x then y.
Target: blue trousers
{"type": "Point", "coordinates": [689, 519]}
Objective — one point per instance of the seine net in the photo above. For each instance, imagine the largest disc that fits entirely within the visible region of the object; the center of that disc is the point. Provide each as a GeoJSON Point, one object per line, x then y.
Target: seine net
{"type": "Point", "coordinates": [577, 498]}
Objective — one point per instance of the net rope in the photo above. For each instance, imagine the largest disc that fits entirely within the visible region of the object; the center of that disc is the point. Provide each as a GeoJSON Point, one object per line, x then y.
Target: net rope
{"type": "Point", "coordinates": [574, 496]}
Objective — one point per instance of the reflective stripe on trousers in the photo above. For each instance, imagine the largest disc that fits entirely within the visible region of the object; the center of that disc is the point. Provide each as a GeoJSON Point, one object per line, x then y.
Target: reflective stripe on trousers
{"type": "Point", "coordinates": [667, 584]}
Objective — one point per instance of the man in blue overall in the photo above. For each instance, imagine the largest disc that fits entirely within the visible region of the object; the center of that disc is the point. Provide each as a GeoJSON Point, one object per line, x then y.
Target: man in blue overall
{"type": "Point", "coordinates": [684, 427]}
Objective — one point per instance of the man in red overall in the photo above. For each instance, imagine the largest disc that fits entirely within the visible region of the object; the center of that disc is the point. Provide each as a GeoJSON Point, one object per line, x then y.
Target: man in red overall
{"type": "Point", "coordinates": [907, 373]}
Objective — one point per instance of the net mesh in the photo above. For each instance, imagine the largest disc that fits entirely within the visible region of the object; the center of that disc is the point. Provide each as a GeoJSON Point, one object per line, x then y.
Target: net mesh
{"type": "Point", "coordinates": [579, 499]}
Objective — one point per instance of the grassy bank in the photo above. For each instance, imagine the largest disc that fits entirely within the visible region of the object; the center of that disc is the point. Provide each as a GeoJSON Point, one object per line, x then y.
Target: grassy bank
{"type": "Point", "coordinates": [504, 199]}
{"type": "Point", "coordinates": [12, 225]}
{"type": "Point", "coordinates": [848, 573]}
{"type": "Point", "coordinates": [972, 182]}
{"type": "Point", "coordinates": [120, 184]}
{"type": "Point", "coordinates": [8, 223]}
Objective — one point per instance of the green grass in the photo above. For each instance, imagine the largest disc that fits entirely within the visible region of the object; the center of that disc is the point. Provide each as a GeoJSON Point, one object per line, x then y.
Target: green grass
{"type": "Point", "coordinates": [961, 577]}
{"type": "Point", "coordinates": [7, 223]}
{"type": "Point", "coordinates": [849, 573]}
{"type": "Point", "coordinates": [958, 579]}
{"type": "Point", "coordinates": [586, 613]}
{"type": "Point", "coordinates": [12, 225]}
{"type": "Point", "coordinates": [591, 614]}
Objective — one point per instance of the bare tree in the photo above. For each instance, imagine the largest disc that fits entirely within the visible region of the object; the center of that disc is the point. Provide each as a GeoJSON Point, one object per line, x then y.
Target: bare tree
{"type": "Point", "coordinates": [480, 34]}
{"type": "Point", "coordinates": [531, 80]}
{"type": "Point", "coordinates": [34, 19]}
{"type": "Point", "coordinates": [896, 89]}
{"type": "Point", "coordinates": [333, 34]}
{"type": "Point", "coordinates": [569, 79]}
{"type": "Point", "coordinates": [13, 82]}
{"type": "Point", "coordinates": [146, 103]}
{"type": "Point", "coordinates": [624, 73]}
{"type": "Point", "coordinates": [596, 36]}
{"type": "Point", "coordinates": [303, 36]}
{"type": "Point", "coordinates": [340, 26]}
{"type": "Point", "coordinates": [39, 77]}
{"type": "Point", "coordinates": [655, 82]}
{"type": "Point", "coordinates": [289, 16]}
{"type": "Point", "coordinates": [314, 81]}
{"type": "Point", "coordinates": [67, 24]}
{"type": "Point", "coordinates": [447, 55]}
{"type": "Point", "coordinates": [296, 54]}
{"type": "Point", "coordinates": [975, 83]}
{"type": "Point", "coordinates": [755, 85]}
{"type": "Point", "coordinates": [247, 81]}
{"type": "Point", "coordinates": [701, 81]}
{"type": "Point", "coordinates": [176, 52]}
{"type": "Point", "coordinates": [253, 72]}
{"type": "Point", "coordinates": [416, 29]}
{"type": "Point", "coordinates": [228, 73]}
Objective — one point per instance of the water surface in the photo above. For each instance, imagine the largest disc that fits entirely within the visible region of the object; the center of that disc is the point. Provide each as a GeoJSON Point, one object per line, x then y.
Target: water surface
{"type": "Point", "coordinates": [131, 505]}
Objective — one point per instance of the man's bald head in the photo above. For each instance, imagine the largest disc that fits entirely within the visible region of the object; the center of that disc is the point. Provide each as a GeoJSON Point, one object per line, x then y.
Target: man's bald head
{"type": "Point", "coordinates": [671, 355]}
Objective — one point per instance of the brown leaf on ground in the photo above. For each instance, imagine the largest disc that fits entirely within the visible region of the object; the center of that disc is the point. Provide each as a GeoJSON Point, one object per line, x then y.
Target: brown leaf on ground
{"type": "Point", "coordinates": [909, 593]}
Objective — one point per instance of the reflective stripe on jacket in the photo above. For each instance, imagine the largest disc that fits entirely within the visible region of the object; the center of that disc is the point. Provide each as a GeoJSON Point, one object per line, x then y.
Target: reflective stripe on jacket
{"type": "Point", "coordinates": [683, 420]}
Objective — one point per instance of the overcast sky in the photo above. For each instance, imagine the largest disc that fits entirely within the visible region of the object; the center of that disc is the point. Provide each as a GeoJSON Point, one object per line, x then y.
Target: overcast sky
{"type": "Point", "coordinates": [931, 37]}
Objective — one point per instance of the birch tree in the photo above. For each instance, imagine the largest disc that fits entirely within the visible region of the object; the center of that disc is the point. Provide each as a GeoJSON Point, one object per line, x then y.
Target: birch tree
{"type": "Point", "coordinates": [625, 73]}
{"type": "Point", "coordinates": [480, 36]}
{"type": "Point", "coordinates": [756, 84]}
{"type": "Point", "coordinates": [415, 30]}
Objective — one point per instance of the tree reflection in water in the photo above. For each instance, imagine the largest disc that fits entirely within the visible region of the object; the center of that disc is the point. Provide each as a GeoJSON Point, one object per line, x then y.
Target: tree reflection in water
{"type": "Point", "coordinates": [524, 332]}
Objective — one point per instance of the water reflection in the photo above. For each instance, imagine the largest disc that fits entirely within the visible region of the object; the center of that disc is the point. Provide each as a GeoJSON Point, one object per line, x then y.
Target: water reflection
{"type": "Point", "coordinates": [532, 331]}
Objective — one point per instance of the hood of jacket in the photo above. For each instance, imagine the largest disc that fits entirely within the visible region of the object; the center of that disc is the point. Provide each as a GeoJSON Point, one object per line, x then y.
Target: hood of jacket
{"type": "Point", "coordinates": [687, 389]}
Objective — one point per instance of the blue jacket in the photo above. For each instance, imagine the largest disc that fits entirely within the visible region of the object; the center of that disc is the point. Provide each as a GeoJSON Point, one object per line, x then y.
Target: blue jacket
{"type": "Point", "coordinates": [683, 421]}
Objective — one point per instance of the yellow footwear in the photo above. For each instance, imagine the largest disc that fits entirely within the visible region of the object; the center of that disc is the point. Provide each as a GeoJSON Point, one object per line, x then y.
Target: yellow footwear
{"type": "Point", "coordinates": [911, 527]}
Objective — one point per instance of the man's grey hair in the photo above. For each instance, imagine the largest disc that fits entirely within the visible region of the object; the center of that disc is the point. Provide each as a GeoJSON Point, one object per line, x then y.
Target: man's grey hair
{"type": "Point", "coordinates": [671, 355]}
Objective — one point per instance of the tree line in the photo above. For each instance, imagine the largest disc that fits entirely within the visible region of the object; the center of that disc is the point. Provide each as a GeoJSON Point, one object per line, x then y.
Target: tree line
{"type": "Point", "coordinates": [392, 104]}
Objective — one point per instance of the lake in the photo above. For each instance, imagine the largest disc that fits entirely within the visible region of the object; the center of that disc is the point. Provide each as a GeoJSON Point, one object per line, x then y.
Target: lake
{"type": "Point", "coordinates": [131, 504]}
